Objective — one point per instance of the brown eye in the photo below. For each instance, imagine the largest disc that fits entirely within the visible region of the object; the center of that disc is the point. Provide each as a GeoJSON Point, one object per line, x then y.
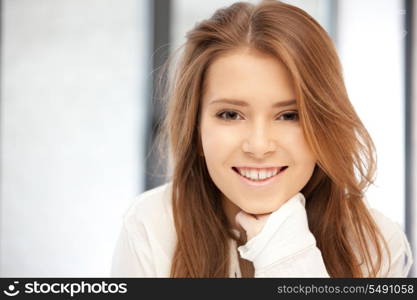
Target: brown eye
{"type": "Point", "coordinates": [228, 115]}
{"type": "Point", "coordinates": [290, 116]}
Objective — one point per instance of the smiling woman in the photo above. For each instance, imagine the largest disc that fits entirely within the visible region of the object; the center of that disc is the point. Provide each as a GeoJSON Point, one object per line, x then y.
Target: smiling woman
{"type": "Point", "coordinates": [264, 137]}
{"type": "Point", "coordinates": [270, 161]}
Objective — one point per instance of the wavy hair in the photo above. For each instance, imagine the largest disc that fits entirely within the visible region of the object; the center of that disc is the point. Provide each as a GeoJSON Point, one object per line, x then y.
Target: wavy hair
{"type": "Point", "coordinates": [345, 232]}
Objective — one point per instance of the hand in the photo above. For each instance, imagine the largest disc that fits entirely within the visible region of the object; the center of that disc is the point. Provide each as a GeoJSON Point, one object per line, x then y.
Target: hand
{"type": "Point", "coordinates": [252, 224]}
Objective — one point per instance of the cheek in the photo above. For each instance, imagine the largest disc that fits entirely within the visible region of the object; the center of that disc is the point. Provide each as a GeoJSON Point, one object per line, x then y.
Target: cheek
{"type": "Point", "coordinates": [304, 162]}
{"type": "Point", "coordinates": [217, 142]}
{"type": "Point", "coordinates": [299, 148]}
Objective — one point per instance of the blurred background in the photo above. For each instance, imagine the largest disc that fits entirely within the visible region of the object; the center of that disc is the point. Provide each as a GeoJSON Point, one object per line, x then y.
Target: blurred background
{"type": "Point", "coordinates": [78, 116]}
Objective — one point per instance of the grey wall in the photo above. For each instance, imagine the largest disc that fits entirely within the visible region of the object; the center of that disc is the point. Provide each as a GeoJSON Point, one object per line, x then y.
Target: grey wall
{"type": "Point", "coordinates": [72, 119]}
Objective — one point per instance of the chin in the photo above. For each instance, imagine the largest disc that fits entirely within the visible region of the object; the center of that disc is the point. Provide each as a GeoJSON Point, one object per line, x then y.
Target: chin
{"type": "Point", "coordinates": [257, 210]}
{"type": "Point", "coordinates": [260, 205]}
{"type": "Point", "coordinates": [260, 212]}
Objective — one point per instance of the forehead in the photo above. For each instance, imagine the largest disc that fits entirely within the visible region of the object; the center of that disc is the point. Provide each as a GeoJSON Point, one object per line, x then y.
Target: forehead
{"type": "Point", "coordinates": [249, 75]}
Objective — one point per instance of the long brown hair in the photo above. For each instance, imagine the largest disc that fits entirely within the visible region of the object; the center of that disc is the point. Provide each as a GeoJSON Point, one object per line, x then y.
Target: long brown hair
{"type": "Point", "coordinates": [344, 230]}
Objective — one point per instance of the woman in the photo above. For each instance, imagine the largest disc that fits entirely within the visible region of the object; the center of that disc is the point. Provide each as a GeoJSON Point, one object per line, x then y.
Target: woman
{"type": "Point", "coordinates": [269, 162]}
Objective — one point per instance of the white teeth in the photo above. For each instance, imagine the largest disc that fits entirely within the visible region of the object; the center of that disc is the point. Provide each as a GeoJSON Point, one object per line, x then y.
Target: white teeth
{"type": "Point", "coordinates": [255, 175]}
{"type": "Point", "coordinates": [263, 174]}
{"type": "Point", "coordinates": [246, 173]}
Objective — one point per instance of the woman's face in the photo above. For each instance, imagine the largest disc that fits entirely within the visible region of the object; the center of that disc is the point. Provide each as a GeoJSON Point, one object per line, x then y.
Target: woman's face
{"type": "Point", "coordinates": [249, 124]}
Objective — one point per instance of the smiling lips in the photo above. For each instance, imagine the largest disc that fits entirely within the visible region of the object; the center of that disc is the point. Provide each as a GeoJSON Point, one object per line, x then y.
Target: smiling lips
{"type": "Point", "coordinates": [259, 174]}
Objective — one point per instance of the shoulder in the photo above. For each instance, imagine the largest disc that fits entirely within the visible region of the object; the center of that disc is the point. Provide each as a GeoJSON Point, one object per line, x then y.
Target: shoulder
{"type": "Point", "coordinates": [150, 205]}
{"type": "Point", "coordinates": [149, 216]}
{"type": "Point", "coordinates": [147, 240]}
{"type": "Point", "coordinates": [149, 222]}
{"type": "Point", "coordinates": [388, 227]}
{"type": "Point", "coordinates": [399, 249]}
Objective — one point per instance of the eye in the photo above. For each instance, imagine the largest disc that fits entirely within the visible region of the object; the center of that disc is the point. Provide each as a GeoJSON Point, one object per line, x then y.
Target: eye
{"type": "Point", "coordinates": [289, 116]}
{"type": "Point", "coordinates": [228, 115]}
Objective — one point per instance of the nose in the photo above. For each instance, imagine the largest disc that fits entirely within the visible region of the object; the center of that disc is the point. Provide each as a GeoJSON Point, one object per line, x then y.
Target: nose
{"type": "Point", "coordinates": [259, 142]}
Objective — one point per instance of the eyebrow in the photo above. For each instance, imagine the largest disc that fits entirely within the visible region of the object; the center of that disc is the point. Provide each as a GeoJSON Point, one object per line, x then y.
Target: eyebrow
{"type": "Point", "coordinates": [243, 103]}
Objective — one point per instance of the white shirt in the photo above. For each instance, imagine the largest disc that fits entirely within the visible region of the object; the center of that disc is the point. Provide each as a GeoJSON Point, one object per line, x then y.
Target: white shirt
{"type": "Point", "coordinates": [285, 247]}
